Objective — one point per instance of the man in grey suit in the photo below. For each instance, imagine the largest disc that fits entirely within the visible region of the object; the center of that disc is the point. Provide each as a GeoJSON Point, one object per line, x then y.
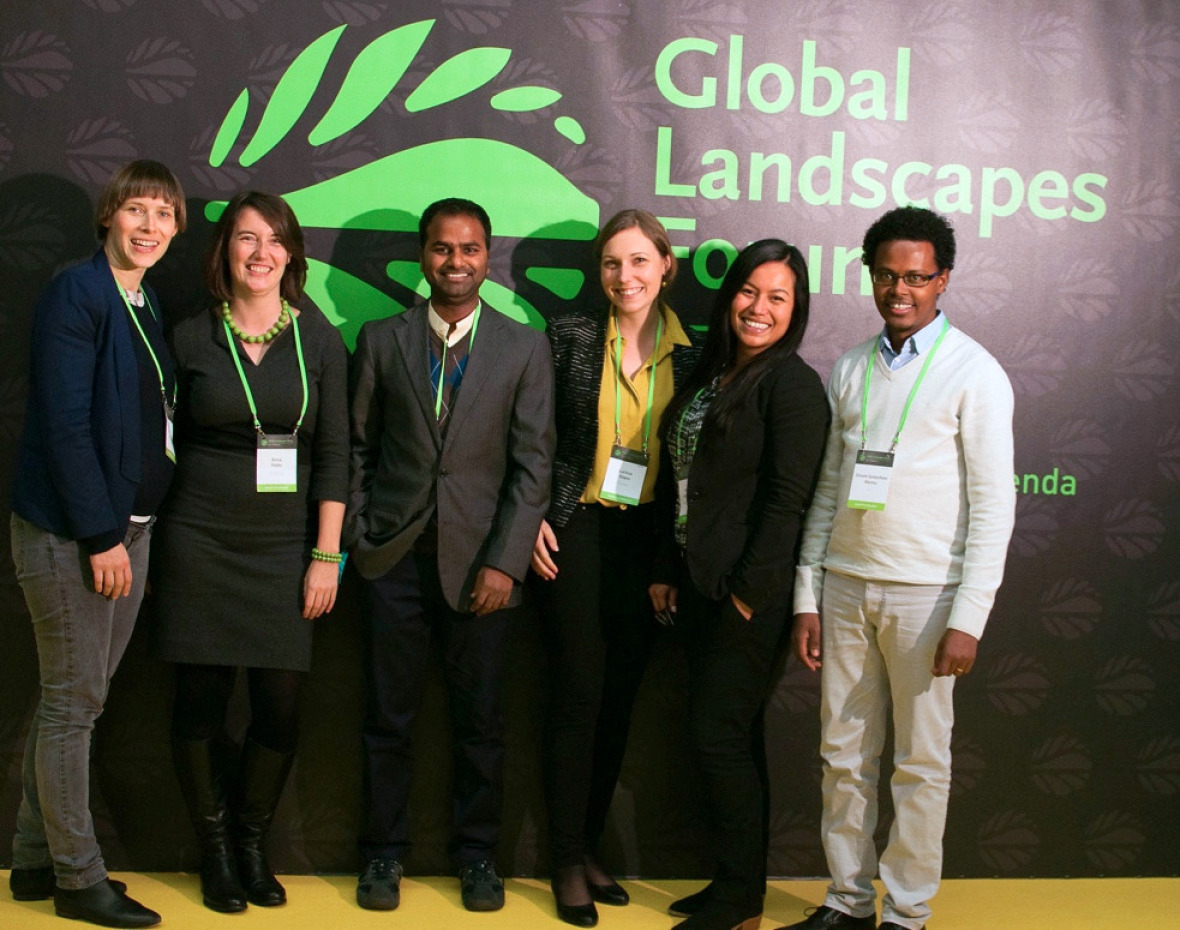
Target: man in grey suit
{"type": "Point", "coordinates": [452, 448]}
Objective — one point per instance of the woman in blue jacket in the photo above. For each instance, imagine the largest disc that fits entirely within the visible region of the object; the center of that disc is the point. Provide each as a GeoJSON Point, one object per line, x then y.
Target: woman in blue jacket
{"type": "Point", "coordinates": [95, 461]}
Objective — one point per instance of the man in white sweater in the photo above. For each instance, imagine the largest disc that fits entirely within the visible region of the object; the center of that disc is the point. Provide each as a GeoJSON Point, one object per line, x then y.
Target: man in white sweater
{"type": "Point", "coordinates": [903, 550]}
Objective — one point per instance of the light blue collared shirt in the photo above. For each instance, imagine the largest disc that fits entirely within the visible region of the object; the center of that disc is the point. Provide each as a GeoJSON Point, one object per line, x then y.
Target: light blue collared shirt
{"type": "Point", "coordinates": [917, 344]}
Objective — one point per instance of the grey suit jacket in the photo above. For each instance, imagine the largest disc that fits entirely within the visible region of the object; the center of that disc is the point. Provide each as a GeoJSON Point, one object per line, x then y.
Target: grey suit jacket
{"type": "Point", "coordinates": [488, 481]}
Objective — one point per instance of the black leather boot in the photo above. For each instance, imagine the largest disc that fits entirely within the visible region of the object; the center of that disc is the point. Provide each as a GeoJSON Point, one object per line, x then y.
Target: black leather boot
{"type": "Point", "coordinates": [202, 781]}
{"type": "Point", "coordinates": [260, 785]}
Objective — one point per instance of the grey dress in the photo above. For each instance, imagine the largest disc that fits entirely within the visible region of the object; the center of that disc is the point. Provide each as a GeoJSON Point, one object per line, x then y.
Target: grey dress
{"type": "Point", "coordinates": [228, 561]}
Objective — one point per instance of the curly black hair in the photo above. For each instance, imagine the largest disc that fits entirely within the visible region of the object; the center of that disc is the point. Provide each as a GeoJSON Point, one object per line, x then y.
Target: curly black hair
{"type": "Point", "coordinates": [912, 224]}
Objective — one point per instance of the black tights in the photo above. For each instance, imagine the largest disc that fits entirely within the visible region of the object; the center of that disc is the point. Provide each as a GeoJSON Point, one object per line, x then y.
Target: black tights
{"type": "Point", "coordinates": [202, 698]}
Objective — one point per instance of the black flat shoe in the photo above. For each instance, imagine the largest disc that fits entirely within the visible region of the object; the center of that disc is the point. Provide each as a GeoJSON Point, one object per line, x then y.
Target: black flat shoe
{"type": "Point", "coordinates": [101, 904]}
{"type": "Point", "coordinates": [38, 884]}
{"type": "Point", "coordinates": [613, 894]}
{"type": "Point", "coordinates": [580, 915]}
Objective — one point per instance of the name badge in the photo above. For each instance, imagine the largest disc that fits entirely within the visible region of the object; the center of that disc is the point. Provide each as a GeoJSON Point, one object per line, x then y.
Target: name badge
{"type": "Point", "coordinates": [681, 500]}
{"type": "Point", "coordinates": [870, 480]}
{"type": "Point", "coordinates": [625, 473]}
{"type": "Point", "coordinates": [169, 444]}
{"type": "Point", "coordinates": [276, 467]}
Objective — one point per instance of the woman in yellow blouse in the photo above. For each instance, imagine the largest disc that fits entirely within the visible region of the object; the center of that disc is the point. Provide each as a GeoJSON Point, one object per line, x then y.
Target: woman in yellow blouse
{"type": "Point", "coordinates": [617, 369]}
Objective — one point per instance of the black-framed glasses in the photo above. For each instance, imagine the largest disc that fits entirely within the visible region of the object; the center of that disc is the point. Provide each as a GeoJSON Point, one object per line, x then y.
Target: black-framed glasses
{"type": "Point", "coordinates": [911, 278]}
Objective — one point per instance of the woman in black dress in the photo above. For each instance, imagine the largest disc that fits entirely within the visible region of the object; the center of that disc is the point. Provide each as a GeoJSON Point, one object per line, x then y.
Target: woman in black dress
{"type": "Point", "coordinates": [249, 546]}
{"type": "Point", "coordinates": [617, 368]}
{"type": "Point", "coordinates": [742, 446]}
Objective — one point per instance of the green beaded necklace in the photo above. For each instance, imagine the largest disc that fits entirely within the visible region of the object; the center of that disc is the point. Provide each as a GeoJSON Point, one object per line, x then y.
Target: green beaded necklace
{"type": "Point", "coordinates": [280, 324]}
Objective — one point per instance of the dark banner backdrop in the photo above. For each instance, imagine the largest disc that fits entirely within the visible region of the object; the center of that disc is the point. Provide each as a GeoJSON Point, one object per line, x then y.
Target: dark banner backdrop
{"type": "Point", "coordinates": [1047, 130]}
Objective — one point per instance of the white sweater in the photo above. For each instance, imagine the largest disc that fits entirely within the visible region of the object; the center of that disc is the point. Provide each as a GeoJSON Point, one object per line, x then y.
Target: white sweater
{"type": "Point", "coordinates": [951, 503]}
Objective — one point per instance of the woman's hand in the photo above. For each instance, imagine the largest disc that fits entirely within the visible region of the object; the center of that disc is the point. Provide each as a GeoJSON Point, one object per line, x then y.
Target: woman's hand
{"type": "Point", "coordinates": [546, 543]}
{"type": "Point", "coordinates": [663, 602]}
{"type": "Point", "coordinates": [319, 588]}
{"type": "Point", "coordinates": [112, 572]}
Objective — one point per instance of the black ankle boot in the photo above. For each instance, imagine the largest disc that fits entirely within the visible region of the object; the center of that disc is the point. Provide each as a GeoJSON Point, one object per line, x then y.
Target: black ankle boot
{"type": "Point", "coordinates": [102, 904]}
{"type": "Point", "coordinates": [692, 904]}
{"type": "Point", "coordinates": [260, 785]}
{"type": "Point", "coordinates": [202, 781]}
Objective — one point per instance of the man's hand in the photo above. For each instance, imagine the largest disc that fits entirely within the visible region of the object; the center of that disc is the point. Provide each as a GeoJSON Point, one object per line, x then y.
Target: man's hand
{"type": "Point", "coordinates": [955, 654]}
{"type": "Point", "coordinates": [805, 640]}
{"type": "Point", "coordinates": [492, 590]}
{"type": "Point", "coordinates": [319, 588]}
{"type": "Point", "coordinates": [112, 572]}
{"type": "Point", "coordinates": [742, 607]}
{"type": "Point", "coordinates": [663, 602]}
{"type": "Point", "coordinates": [546, 543]}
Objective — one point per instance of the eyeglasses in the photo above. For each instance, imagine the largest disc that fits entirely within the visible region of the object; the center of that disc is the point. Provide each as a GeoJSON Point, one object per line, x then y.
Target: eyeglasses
{"type": "Point", "coordinates": [911, 278]}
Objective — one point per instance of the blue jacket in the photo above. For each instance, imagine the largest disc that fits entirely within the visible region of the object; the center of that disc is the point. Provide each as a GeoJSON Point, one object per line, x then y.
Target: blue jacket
{"type": "Point", "coordinates": [79, 463]}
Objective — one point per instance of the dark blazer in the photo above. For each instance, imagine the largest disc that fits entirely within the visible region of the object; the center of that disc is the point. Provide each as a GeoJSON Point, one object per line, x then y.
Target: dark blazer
{"type": "Point", "coordinates": [748, 489]}
{"type": "Point", "coordinates": [488, 480]}
{"type": "Point", "coordinates": [578, 341]}
{"type": "Point", "coordinates": [79, 463]}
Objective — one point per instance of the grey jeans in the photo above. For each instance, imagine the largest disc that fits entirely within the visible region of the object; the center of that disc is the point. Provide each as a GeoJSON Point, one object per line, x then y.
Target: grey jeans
{"type": "Point", "coordinates": [80, 637]}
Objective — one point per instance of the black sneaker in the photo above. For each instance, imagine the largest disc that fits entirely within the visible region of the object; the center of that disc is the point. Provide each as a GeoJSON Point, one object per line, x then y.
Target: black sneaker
{"type": "Point", "coordinates": [379, 887]}
{"type": "Point", "coordinates": [481, 888]}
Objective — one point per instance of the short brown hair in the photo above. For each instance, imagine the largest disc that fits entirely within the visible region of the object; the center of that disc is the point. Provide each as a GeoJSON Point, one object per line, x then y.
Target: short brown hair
{"type": "Point", "coordinates": [281, 218]}
{"type": "Point", "coordinates": [647, 224]}
{"type": "Point", "coordinates": [141, 178]}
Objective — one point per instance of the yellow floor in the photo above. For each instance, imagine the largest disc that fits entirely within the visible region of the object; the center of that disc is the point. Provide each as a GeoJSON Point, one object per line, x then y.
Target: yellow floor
{"type": "Point", "coordinates": [328, 903]}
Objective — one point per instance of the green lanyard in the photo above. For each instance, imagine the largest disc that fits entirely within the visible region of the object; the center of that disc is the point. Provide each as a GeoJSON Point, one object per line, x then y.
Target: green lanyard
{"type": "Point", "coordinates": [169, 406]}
{"type": "Point", "coordinates": [233, 351]}
{"type": "Point", "coordinates": [442, 365]}
{"type": "Point", "coordinates": [905, 411]}
{"type": "Point", "coordinates": [651, 384]}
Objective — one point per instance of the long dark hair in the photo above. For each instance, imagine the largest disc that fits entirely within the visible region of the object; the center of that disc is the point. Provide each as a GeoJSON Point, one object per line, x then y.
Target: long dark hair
{"type": "Point", "coordinates": [720, 350]}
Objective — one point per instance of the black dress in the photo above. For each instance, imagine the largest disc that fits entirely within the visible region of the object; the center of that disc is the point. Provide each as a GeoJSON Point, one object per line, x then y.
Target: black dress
{"type": "Point", "coordinates": [228, 561]}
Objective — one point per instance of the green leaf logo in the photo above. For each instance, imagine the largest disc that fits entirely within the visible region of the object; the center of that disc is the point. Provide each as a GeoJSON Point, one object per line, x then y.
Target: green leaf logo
{"type": "Point", "coordinates": [526, 196]}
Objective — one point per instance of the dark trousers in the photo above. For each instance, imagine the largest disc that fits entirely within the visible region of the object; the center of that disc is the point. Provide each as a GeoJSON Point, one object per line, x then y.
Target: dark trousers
{"type": "Point", "coordinates": [598, 635]}
{"type": "Point", "coordinates": [731, 666]}
{"type": "Point", "coordinates": [406, 608]}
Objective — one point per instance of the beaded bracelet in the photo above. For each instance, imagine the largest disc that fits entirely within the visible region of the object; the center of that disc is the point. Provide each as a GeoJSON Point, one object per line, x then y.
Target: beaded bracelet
{"type": "Point", "coordinates": [321, 556]}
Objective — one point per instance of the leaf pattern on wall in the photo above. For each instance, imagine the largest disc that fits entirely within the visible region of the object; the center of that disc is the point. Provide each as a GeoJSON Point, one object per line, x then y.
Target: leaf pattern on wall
{"type": "Point", "coordinates": [1163, 612]}
{"type": "Point", "coordinates": [232, 9]}
{"type": "Point", "coordinates": [1157, 766]}
{"type": "Point", "coordinates": [35, 64]}
{"type": "Point", "coordinates": [1133, 528]}
{"type": "Point", "coordinates": [97, 148]}
{"type": "Point", "coordinates": [1071, 609]}
{"type": "Point", "coordinates": [1142, 369]}
{"type": "Point", "coordinates": [160, 70]}
{"type": "Point", "coordinates": [1124, 685]}
{"type": "Point", "coordinates": [1051, 42]}
{"type": "Point", "coordinates": [1061, 766]}
{"type": "Point", "coordinates": [476, 17]}
{"type": "Point", "coordinates": [1017, 684]}
{"type": "Point", "coordinates": [1114, 841]}
{"type": "Point", "coordinates": [1008, 841]}
{"type": "Point", "coordinates": [596, 20]}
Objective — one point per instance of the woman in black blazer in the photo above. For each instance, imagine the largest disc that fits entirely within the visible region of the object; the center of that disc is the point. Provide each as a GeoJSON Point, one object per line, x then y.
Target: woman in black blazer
{"type": "Point", "coordinates": [593, 555]}
{"type": "Point", "coordinates": [742, 446]}
{"type": "Point", "coordinates": [94, 463]}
